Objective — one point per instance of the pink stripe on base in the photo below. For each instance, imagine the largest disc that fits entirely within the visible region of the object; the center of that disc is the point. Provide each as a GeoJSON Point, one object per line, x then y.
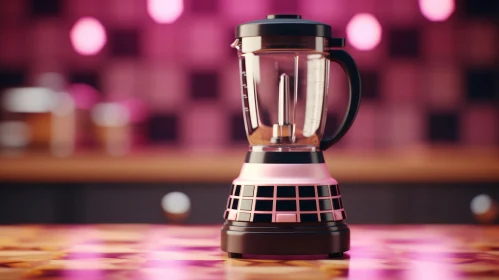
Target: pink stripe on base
{"type": "Point", "coordinates": [285, 174]}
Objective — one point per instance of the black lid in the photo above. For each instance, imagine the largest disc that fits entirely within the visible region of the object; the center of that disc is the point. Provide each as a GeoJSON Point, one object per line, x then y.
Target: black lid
{"type": "Point", "coordinates": [283, 25]}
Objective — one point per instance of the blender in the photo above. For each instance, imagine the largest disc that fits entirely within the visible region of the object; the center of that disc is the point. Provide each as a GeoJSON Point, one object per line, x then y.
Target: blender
{"type": "Point", "coordinates": [285, 201]}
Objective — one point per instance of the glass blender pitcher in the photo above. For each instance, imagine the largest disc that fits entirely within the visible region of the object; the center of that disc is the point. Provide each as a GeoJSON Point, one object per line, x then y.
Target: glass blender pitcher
{"type": "Point", "coordinates": [284, 201]}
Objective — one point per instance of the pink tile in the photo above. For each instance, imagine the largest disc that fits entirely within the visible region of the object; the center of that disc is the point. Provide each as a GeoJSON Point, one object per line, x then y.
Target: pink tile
{"type": "Point", "coordinates": [402, 126]}
{"type": "Point", "coordinates": [127, 12]}
{"type": "Point", "coordinates": [364, 131]}
{"type": "Point", "coordinates": [400, 84]}
{"type": "Point", "coordinates": [331, 12]}
{"type": "Point", "coordinates": [442, 87]}
{"type": "Point", "coordinates": [165, 86]}
{"type": "Point", "coordinates": [483, 46]}
{"type": "Point", "coordinates": [439, 41]}
{"type": "Point", "coordinates": [81, 8]}
{"type": "Point", "coordinates": [232, 215]}
{"type": "Point", "coordinates": [206, 42]}
{"type": "Point", "coordinates": [14, 49]}
{"type": "Point", "coordinates": [204, 127]}
{"type": "Point", "coordinates": [231, 85]}
{"type": "Point", "coordinates": [44, 34]}
{"type": "Point", "coordinates": [397, 12]}
{"type": "Point", "coordinates": [161, 43]}
{"type": "Point", "coordinates": [372, 59]}
{"type": "Point", "coordinates": [12, 11]}
{"type": "Point", "coordinates": [480, 126]}
{"type": "Point", "coordinates": [120, 79]}
{"type": "Point", "coordinates": [242, 11]}
{"type": "Point", "coordinates": [285, 218]}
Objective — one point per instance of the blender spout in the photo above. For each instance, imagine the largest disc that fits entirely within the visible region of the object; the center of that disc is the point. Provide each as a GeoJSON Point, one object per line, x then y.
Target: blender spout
{"type": "Point", "coordinates": [235, 44]}
{"type": "Point", "coordinates": [283, 110]}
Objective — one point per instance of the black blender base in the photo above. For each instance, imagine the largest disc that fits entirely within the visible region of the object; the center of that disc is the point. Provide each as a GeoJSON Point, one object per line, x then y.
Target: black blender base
{"type": "Point", "coordinates": [240, 256]}
{"type": "Point", "coordinates": [328, 239]}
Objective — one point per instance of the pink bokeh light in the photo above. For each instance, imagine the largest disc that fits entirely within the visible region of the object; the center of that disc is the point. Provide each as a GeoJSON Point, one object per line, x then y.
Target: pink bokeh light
{"type": "Point", "coordinates": [437, 10]}
{"type": "Point", "coordinates": [364, 31]}
{"type": "Point", "coordinates": [88, 36]}
{"type": "Point", "coordinates": [165, 11]}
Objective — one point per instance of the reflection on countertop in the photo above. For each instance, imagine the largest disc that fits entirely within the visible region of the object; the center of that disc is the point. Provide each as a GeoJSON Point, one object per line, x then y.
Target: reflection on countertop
{"type": "Point", "coordinates": [162, 251]}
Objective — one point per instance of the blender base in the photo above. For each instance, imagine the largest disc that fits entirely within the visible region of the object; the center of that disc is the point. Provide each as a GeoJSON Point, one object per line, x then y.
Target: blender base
{"type": "Point", "coordinates": [323, 239]}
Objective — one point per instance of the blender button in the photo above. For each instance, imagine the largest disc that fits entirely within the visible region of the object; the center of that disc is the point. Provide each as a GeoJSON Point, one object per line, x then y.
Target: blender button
{"type": "Point", "coordinates": [327, 217]}
{"type": "Point", "coordinates": [235, 203]}
{"type": "Point", "coordinates": [248, 190]}
{"type": "Point", "coordinates": [265, 191]}
{"type": "Point", "coordinates": [238, 190]}
{"type": "Point", "coordinates": [286, 205]}
{"type": "Point", "coordinates": [306, 191]}
{"type": "Point", "coordinates": [336, 204]}
{"type": "Point", "coordinates": [323, 191]}
{"type": "Point", "coordinates": [286, 191]}
{"type": "Point", "coordinates": [246, 204]}
{"type": "Point", "coordinates": [325, 204]}
{"type": "Point", "coordinates": [243, 217]}
{"type": "Point", "coordinates": [309, 218]}
{"type": "Point", "coordinates": [263, 205]}
{"type": "Point", "coordinates": [308, 205]}
{"type": "Point", "coordinates": [262, 218]}
{"type": "Point", "coordinates": [334, 191]}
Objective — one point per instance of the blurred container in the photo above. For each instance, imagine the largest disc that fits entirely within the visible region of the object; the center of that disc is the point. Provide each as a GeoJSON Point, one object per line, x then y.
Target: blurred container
{"type": "Point", "coordinates": [85, 98]}
{"type": "Point", "coordinates": [112, 127]}
{"type": "Point", "coordinates": [38, 118]}
{"type": "Point", "coordinates": [119, 125]}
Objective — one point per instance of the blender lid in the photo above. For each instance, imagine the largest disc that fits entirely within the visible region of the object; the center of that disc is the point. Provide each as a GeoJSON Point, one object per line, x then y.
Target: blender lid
{"type": "Point", "coordinates": [283, 25]}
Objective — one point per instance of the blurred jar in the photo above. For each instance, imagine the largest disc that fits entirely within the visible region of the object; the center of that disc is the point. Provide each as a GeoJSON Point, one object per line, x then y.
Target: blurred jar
{"type": "Point", "coordinates": [85, 98]}
{"type": "Point", "coordinates": [37, 119]}
{"type": "Point", "coordinates": [119, 125]}
{"type": "Point", "coordinates": [112, 127]}
{"type": "Point", "coordinates": [62, 123]}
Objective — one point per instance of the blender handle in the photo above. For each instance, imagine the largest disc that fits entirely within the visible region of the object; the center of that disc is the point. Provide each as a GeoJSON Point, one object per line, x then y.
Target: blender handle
{"type": "Point", "coordinates": [350, 67]}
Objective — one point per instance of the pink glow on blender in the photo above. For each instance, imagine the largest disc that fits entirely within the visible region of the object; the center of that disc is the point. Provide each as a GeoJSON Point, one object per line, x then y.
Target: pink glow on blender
{"type": "Point", "coordinates": [165, 11]}
{"type": "Point", "coordinates": [364, 32]}
{"type": "Point", "coordinates": [436, 10]}
{"type": "Point", "coordinates": [88, 36]}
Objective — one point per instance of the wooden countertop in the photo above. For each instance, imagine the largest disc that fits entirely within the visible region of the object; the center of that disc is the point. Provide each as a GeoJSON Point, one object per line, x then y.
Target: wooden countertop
{"type": "Point", "coordinates": [192, 252]}
{"type": "Point", "coordinates": [164, 165]}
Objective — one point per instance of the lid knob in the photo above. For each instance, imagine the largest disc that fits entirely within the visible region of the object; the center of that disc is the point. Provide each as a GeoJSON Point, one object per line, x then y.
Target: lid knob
{"type": "Point", "coordinates": [283, 16]}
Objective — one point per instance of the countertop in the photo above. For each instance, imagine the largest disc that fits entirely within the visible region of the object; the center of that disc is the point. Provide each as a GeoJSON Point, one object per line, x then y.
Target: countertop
{"type": "Point", "coordinates": [192, 252]}
{"type": "Point", "coordinates": [169, 165]}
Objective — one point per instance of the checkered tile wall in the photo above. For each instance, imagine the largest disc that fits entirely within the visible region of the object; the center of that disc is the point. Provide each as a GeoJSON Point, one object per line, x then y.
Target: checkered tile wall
{"type": "Point", "coordinates": [425, 83]}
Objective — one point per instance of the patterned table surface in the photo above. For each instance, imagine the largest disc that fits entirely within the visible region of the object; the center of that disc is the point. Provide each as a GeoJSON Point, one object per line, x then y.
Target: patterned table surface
{"type": "Point", "coordinates": [192, 252]}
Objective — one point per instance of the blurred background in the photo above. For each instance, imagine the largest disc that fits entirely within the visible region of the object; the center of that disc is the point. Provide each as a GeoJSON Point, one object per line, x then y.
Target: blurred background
{"type": "Point", "coordinates": [129, 111]}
